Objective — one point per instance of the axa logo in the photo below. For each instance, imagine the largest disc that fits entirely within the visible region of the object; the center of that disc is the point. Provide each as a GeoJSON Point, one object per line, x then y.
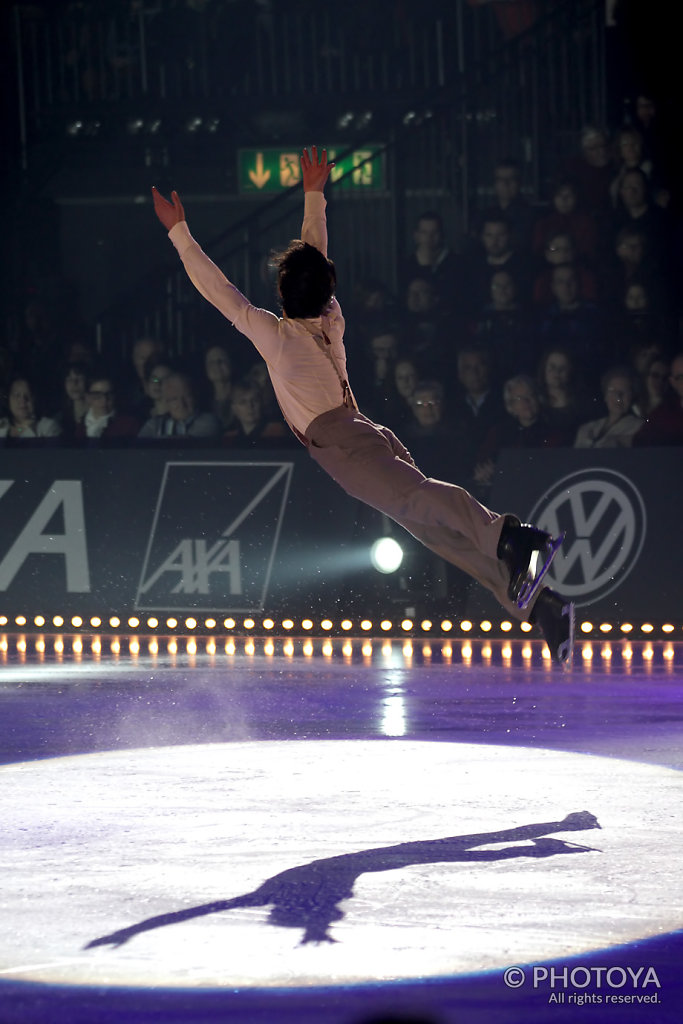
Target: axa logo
{"type": "Point", "coordinates": [604, 517]}
{"type": "Point", "coordinates": [214, 536]}
{"type": "Point", "coordinates": [53, 525]}
{"type": "Point", "coordinates": [193, 564]}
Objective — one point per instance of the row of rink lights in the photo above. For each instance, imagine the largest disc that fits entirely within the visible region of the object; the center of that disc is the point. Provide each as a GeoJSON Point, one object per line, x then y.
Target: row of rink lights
{"type": "Point", "coordinates": [326, 626]}
{"type": "Point", "coordinates": [95, 646]}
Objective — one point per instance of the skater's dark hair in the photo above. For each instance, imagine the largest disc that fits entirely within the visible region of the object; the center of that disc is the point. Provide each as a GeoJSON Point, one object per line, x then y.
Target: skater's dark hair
{"type": "Point", "coordinates": [306, 280]}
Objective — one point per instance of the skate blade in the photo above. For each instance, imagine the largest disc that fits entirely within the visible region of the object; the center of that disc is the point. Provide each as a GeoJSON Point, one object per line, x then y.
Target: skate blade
{"type": "Point", "coordinates": [530, 588]}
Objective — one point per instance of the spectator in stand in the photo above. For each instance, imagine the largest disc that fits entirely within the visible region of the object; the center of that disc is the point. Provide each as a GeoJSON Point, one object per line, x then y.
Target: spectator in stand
{"type": "Point", "coordinates": [630, 154]}
{"type": "Point", "coordinates": [493, 252]}
{"type": "Point", "coordinates": [37, 349]}
{"type": "Point", "coordinates": [431, 436]}
{"type": "Point", "coordinates": [573, 323]}
{"type": "Point", "coordinates": [425, 324]}
{"type": "Point", "coordinates": [427, 404]}
{"type": "Point", "coordinates": [511, 204]}
{"type": "Point", "coordinates": [371, 298]}
{"type": "Point", "coordinates": [616, 429]}
{"type": "Point", "coordinates": [562, 396]}
{"type": "Point", "coordinates": [258, 375]}
{"type": "Point", "coordinates": [635, 209]}
{"type": "Point", "coordinates": [156, 370]}
{"type": "Point", "coordinates": [664, 425]}
{"type": "Point", "coordinates": [638, 317]}
{"type": "Point", "coordinates": [528, 428]}
{"type": "Point", "coordinates": [406, 378]}
{"type": "Point", "coordinates": [644, 117]}
{"type": "Point", "coordinates": [432, 258]}
{"type": "Point", "coordinates": [629, 260]}
{"type": "Point", "coordinates": [641, 354]}
{"type": "Point", "coordinates": [377, 395]}
{"type": "Point", "coordinates": [183, 417]}
{"type": "Point", "coordinates": [218, 369]}
{"type": "Point", "coordinates": [23, 420]}
{"type": "Point", "coordinates": [74, 404]}
{"type": "Point", "coordinates": [660, 145]}
{"type": "Point", "coordinates": [77, 350]}
{"type": "Point", "coordinates": [476, 407]}
{"type": "Point", "coordinates": [249, 426]}
{"type": "Point", "coordinates": [652, 387]}
{"type": "Point", "coordinates": [135, 396]}
{"type": "Point", "coordinates": [102, 421]}
{"type": "Point", "coordinates": [373, 307]}
{"type": "Point", "coordinates": [522, 427]}
{"type": "Point", "coordinates": [560, 249]}
{"type": "Point", "coordinates": [567, 217]}
{"type": "Point", "coordinates": [593, 170]}
{"type": "Point", "coordinates": [504, 327]}
{"type": "Point", "coordinates": [636, 297]}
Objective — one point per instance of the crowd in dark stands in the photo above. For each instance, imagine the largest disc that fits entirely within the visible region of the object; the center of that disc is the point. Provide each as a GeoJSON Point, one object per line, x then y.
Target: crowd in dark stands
{"type": "Point", "coordinates": [556, 324]}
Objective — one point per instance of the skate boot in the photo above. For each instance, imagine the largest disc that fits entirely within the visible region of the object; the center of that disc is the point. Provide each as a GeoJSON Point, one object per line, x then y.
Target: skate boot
{"type": "Point", "coordinates": [527, 552]}
{"type": "Point", "coordinates": [555, 618]}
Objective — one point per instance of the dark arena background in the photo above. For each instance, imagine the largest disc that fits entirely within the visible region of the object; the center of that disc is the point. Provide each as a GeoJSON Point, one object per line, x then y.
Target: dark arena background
{"type": "Point", "coordinates": [264, 758]}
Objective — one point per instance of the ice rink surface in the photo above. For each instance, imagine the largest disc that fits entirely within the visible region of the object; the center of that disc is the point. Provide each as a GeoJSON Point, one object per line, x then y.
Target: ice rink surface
{"type": "Point", "coordinates": [340, 830]}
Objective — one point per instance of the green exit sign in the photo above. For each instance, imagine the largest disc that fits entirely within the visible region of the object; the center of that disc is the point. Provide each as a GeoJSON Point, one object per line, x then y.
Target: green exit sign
{"type": "Point", "coordinates": [276, 170]}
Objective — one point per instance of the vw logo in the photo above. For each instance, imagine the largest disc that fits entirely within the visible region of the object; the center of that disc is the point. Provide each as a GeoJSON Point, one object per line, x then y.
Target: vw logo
{"type": "Point", "coordinates": [604, 517]}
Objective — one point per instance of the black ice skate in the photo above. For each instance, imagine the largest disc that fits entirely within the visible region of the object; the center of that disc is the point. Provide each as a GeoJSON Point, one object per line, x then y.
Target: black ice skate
{"type": "Point", "coordinates": [555, 618]}
{"type": "Point", "coordinates": [528, 553]}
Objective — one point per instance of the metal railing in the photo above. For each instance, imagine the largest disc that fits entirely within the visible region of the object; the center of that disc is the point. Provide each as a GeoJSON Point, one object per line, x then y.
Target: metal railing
{"type": "Point", "coordinates": [80, 60]}
{"type": "Point", "coordinates": [440, 86]}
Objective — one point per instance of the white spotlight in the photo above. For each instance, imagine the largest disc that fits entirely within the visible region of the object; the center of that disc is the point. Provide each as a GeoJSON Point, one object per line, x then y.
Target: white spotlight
{"type": "Point", "coordinates": [386, 554]}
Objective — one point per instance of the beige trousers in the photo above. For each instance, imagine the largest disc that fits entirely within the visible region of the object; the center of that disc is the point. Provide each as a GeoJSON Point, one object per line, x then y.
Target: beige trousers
{"type": "Point", "coordinates": [370, 463]}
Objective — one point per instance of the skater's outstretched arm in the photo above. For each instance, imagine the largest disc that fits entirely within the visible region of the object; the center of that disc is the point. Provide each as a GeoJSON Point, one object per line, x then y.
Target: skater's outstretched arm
{"type": "Point", "coordinates": [259, 325]}
{"type": "Point", "coordinates": [315, 171]}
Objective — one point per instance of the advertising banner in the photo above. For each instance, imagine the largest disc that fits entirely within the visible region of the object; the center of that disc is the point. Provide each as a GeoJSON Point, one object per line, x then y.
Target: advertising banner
{"type": "Point", "coordinates": [192, 531]}
{"type": "Point", "coordinates": [621, 510]}
{"type": "Point", "coordinates": [96, 532]}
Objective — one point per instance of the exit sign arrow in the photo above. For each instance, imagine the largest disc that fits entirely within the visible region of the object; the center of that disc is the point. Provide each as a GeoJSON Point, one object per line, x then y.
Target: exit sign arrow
{"type": "Point", "coordinates": [261, 175]}
{"type": "Point", "coordinates": [267, 170]}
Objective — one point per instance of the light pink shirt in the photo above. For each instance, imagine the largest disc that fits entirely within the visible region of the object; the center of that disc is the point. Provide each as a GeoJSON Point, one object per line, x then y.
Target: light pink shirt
{"type": "Point", "coordinates": [303, 376]}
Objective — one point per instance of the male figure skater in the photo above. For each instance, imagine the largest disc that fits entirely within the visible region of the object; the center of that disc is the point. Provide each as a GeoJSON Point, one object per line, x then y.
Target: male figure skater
{"type": "Point", "coordinates": [306, 359]}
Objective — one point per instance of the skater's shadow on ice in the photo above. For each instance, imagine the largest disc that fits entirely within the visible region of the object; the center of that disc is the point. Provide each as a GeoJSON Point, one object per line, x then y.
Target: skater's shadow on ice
{"type": "Point", "coordinates": [308, 896]}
